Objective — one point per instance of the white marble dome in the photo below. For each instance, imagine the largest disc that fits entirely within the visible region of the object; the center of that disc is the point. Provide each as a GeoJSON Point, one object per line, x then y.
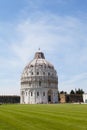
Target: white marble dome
{"type": "Point", "coordinates": [39, 81]}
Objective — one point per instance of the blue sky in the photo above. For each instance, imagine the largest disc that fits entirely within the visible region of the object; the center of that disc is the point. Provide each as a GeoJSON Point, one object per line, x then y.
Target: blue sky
{"type": "Point", "coordinates": [58, 27]}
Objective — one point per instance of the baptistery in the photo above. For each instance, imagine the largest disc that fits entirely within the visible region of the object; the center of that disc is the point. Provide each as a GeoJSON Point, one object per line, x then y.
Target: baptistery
{"type": "Point", "coordinates": [39, 82]}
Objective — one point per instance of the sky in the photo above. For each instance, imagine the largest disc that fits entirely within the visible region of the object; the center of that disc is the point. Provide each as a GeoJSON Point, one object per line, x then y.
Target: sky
{"type": "Point", "coordinates": [57, 27]}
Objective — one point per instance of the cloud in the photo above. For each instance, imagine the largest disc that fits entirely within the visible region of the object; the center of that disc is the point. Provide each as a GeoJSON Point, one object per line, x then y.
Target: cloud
{"type": "Point", "coordinates": [60, 37]}
{"type": "Point", "coordinates": [74, 82]}
{"type": "Point", "coordinates": [9, 86]}
{"type": "Point", "coordinates": [35, 4]}
{"type": "Point", "coordinates": [50, 33]}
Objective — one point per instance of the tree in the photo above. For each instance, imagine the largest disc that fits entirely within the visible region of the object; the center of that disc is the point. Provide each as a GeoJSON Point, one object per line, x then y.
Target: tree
{"type": "Point", "coordinates": [79, 91]}
{"type": "Point", "coordinates": [72, 92]}
{"type": "Point", "coordinates": [62, 92]}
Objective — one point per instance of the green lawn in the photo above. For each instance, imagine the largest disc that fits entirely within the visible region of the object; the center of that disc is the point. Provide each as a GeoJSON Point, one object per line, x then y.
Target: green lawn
{"type": "Point", "coordinates": [43, 117]}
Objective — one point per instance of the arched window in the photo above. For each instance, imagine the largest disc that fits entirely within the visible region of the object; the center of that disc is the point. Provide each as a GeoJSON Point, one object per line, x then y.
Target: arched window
{"type": "Point", "coordinates": [37, 73]}
{"type": "Point", "coordinates": [39, 83]}
{"type": "Point", "coordinates": [29, 83]}
{"type": "Point", "coordinates": [43, 93]}
{"type": "Point", "coordinates": [48, 73]}
{"type": "Point", "coordinates": [43, 73]}
{"type": "Point", "coordinates": [31, 93]}
{"type": "Point", "coordinates": [37, 93]}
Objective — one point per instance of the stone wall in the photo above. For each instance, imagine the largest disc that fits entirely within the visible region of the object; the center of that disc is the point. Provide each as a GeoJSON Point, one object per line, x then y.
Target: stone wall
{"type": "Point", "coordinates": [70, 98]}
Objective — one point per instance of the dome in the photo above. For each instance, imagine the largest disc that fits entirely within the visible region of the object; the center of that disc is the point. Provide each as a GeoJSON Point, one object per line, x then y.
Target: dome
{"type": "Point", "coordinates": [38, 66]}
{"type": "Point", "coordinates": [40, 76]}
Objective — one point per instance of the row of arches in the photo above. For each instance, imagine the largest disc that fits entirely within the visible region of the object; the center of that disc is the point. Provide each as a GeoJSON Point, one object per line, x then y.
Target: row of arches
{"type": "Point", "coordinates": [48, 96]}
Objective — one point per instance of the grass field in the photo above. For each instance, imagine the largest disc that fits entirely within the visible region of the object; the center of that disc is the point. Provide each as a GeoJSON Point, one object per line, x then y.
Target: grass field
{"type": "Point", "coordinates": [43, 117]}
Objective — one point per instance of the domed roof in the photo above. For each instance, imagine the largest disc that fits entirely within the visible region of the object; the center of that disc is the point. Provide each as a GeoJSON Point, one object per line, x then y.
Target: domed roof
{"type": "Point", "coordinates": [39, 59]}
{"type": "Point", "coordinates": [38, 63]}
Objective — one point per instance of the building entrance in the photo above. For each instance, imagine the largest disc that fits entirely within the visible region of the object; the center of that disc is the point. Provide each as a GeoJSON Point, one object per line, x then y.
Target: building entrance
{"type": "Point", "coordinates": [50, 96]}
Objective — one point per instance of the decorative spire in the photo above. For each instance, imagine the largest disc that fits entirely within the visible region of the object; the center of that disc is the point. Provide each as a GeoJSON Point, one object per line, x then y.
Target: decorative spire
{"type": "Point", "coordinates": [39, 50]}
{"type": "Point", "coordinates": [39, 55]}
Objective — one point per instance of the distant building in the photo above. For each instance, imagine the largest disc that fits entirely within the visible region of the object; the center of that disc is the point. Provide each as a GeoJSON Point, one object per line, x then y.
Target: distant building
{"type": "Point", "coordinates": [39, 81]}
{"type": "Point", "coordinates": [85, 97]}
{"type": "Point", "coordinates": [9, 99]}
{"type": "Point", "coordinates": [70, 98]}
